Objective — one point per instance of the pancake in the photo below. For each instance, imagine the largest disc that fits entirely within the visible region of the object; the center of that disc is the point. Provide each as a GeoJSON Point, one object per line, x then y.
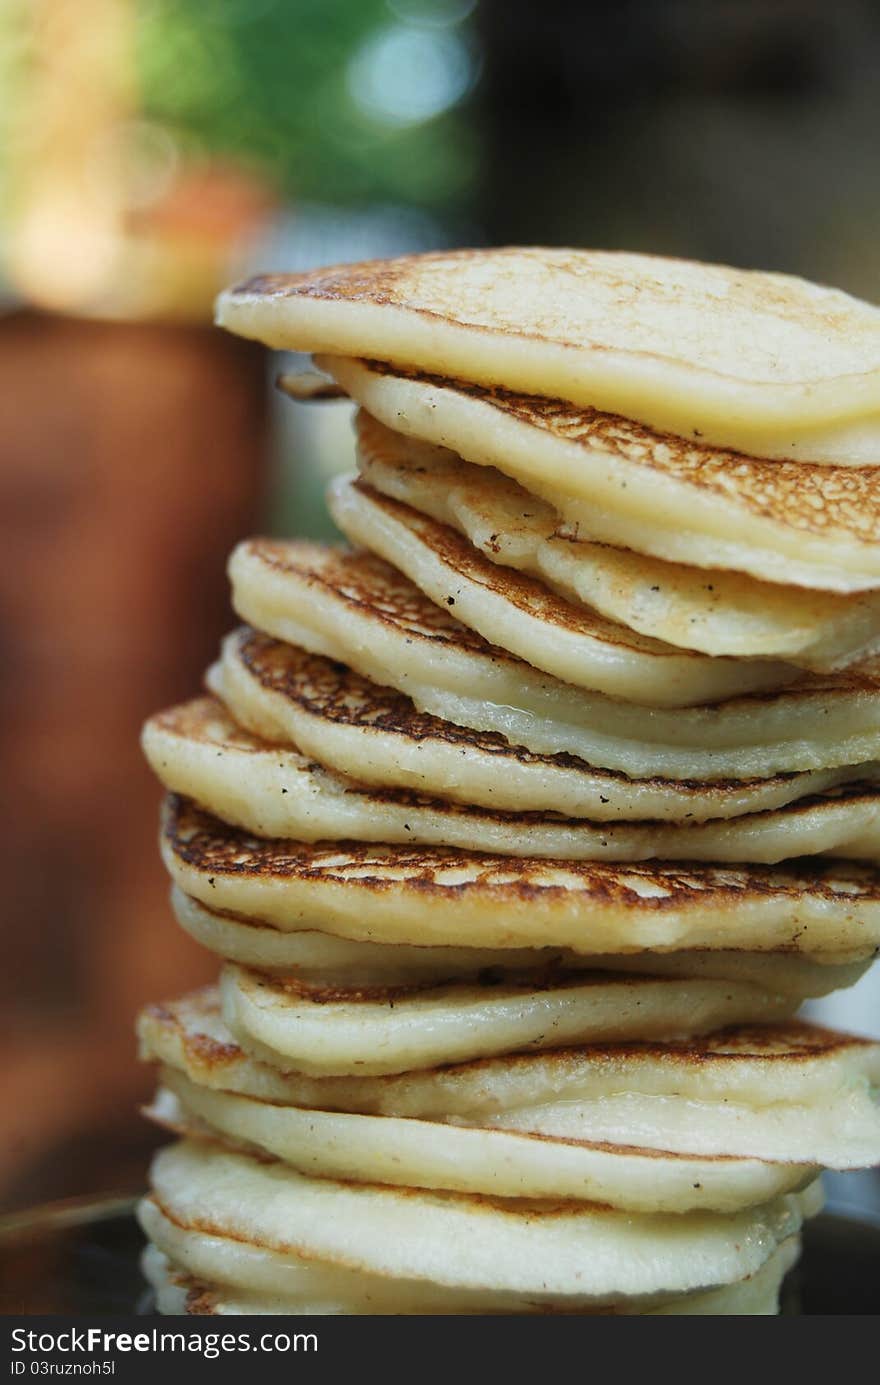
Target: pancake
{"type": "Point", "coordinates": [355, 608]}
{"type": "Point", "coordinates": [763, 362]}
{"type": "Point", "coordinates": [376, 737]}
{"type": "Point", "coordinates": [717, 613]}
{"type": "Point", "coordinates": [439, 896]}
{"type": "Point", "coordinates": [374, 1030]}
{"type": "Point", "coordinates": [788, 1093]}
{"type": "Point", "coordinates": [618, 482]}
{"type": "Point", "coordinates": [515, 896]}
{"type": "Point", "coordinates": [255, 1280]}
{"type": "Point", "coordinates": [339, 962]}
{"type": "Point", "coordinates": [596, 1123]}
{"type": "Point", "coordinates": [547, 1250]}
{"type": "Point", "coordinates": [519, 614]}
{"type": "Point", "coordinates": [291, 1286]}
{"type": "Point", "coordinates": [307, 385]}
{"type": "Point", "coordinates": [199, 751]}
{"type": "Point", "coordinates": [498, 1163]}
{"type": "Point", "coordinates": [526, 1127]}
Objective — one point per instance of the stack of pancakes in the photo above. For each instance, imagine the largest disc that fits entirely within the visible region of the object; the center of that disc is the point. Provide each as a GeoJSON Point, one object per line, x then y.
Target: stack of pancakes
{"type": "Point", "coordinates": [524, 825]}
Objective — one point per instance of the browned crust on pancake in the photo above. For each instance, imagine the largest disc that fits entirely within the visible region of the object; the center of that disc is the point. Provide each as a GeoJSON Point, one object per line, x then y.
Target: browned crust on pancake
{"type": "Point", "coordinates": [207, 1051]}
{"type": "Point", "coordinates": [201, 1300]}
{"type": "Point", "coordinates": [377, 592]}
{"type": "Point", "coordinates": [370, 281]}
{"type": "Point", "coordinates": [329, 690]}
{"type": "Point", "coordinates": [814, 498]}
{"type": "Point", "coordinates": [792, 1042]}
{"type": "Point", "coordinates": [213, 848]}
{"type": "Point", "coordinates": [307, 386]}
{"type": "Point", "coordinates": [206, 720]}
{"type": "Point", "coordinates": [527, 594]}
{"type": "Point", "coordinates": [541, 979]}
{"type": "Point", "coordinates": [390, 283]}
{"type": "Point", "coordinates": [369, 584]}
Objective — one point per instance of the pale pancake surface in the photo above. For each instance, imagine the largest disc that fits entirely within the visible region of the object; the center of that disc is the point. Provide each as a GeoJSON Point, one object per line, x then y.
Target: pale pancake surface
{"type": "Point", "coordinates": [334, 961]}
{"type": "Point", "coordinates": [375, 1030]}
{"type": "Point", "coordinates": [375, 736]}
{"type": "Point", "coordinates": [788, 1094]}
{"type": "Point", "coordinates": [764, 362]}
{"type": "Point", "coordinates": [619, 482]}
{"type": "Point", "coordinates": [469, 1159]}
{"type": "Point", "coordinates": [354, 608]}
{"type": "Point", "coordinates": [785, 1092]}
{"type": "Point", "coordinates": [515, 1246]}
{"type": "Point", "coordinates": [257, 1281]}
{"type": "Point", "coordinates": [439, 896]}
{"type": "Point", "coordinates": [715, 612]}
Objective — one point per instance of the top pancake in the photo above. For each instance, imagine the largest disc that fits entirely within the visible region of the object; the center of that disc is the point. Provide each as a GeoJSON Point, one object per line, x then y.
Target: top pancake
{"type": "Point", "coordinates": [766, 363]}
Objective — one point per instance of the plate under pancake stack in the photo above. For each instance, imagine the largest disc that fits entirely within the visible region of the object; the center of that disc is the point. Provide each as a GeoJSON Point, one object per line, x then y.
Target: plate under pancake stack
{"type": "Point", "coordinates": [524, 825]}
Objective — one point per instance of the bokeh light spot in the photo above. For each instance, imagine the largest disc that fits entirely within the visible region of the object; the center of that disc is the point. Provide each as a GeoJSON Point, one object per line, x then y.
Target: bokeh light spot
{"type": "Point", "coordinates": [404, 75]}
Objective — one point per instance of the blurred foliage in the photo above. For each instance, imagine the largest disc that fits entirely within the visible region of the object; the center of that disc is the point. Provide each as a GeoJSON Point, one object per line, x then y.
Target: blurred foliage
{"type": "Point", "coordinates": [267, 82]}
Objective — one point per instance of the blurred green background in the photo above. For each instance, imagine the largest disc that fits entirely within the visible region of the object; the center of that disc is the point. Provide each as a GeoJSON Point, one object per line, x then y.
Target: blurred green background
{"type": "Point", "coordinates": [353, 103]}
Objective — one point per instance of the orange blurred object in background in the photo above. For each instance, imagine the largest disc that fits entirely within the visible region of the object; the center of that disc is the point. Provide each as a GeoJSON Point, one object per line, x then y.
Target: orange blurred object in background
{"type": "Point", "coordinates": [134, 457]}
{"type": "Point", "coordinates": [133, 461]}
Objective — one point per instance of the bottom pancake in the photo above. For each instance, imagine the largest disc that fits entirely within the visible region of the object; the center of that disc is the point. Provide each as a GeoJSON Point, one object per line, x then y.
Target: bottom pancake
{"type": "Point", "coordinates": [554, 1254]}
{"type": "Point", "coordinates": [323, 1293]}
